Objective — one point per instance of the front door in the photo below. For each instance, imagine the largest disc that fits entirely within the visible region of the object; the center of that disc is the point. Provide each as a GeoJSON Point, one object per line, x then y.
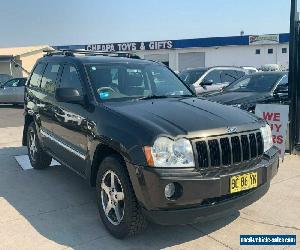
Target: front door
{"type": "Point", "coordinates": [69, 124]}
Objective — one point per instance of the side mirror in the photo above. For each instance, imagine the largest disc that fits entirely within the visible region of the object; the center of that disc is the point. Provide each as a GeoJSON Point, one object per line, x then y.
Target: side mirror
{"type": "Point", "coordinates": [207, 82]}
{"type": "Point", "coordinates": [70, 95]}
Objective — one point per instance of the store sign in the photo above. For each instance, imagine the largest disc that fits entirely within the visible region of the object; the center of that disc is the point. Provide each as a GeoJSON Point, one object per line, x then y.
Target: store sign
{"type": "Point", "coordinates": [277, 117]}
{"type": "Point", "coordinates": [263, 39]}
{"type": "Point", "coordinates": [131, 46]}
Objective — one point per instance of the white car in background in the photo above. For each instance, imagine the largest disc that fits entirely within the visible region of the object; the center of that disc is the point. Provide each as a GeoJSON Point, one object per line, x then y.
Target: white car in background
{"type": "Point", "coordinates": [12, 91]}
{"type": "Point", "coordinates": [211, 79]}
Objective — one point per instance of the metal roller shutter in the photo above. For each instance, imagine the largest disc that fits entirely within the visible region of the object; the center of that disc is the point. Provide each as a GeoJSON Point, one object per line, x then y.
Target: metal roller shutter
{"type": "Point", "coordinates": [191, 60]}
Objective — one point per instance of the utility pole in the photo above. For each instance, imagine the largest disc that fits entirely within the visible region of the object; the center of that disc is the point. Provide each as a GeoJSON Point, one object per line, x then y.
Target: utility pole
{"type": "Point", "coordinates": [294, 82]}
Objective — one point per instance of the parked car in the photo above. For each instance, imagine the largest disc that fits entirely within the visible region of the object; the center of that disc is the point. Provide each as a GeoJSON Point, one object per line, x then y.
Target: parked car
{"type": "Point", "coordinates": [261, 87]}
{"type": "Point", "coordinates": [152, 148]}
{"type": "Point", "coordinates": [12, 91]}
{"type": "Point", "coordinates": [211, 79]}
{"type": "Point", "coordinates": [4, 78]}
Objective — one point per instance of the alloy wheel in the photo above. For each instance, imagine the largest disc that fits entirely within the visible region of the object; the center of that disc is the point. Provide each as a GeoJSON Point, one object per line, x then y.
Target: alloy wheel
{"type": "Point", "coordinates": [112, 197]}
{"type": "Point", "coordinates": [32, 144]}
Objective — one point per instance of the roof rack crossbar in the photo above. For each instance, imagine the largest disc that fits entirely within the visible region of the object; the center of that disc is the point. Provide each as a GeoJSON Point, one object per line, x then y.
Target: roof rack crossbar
{"type": "Point", "coordinates": [72, 52]}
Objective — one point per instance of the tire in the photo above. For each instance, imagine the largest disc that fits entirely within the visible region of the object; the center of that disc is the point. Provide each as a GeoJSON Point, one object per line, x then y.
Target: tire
{"type": "Point", "coordinates": [39, 159]}
{"type": "Point", "coordinates": [130, 221]}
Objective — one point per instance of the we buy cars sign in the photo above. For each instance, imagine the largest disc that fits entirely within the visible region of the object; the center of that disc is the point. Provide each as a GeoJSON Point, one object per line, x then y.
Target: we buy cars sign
{"type": "Point", "coordinates": [277, 117]}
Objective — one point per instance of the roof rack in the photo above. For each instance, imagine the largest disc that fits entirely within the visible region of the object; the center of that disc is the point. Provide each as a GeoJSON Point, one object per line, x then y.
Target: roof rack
{"type": "Point", "coordinates": [73, 52]}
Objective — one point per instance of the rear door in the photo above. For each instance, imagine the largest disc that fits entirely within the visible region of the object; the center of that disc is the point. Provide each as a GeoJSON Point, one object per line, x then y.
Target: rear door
{"type": "Point", "coordinates": [69, 124]}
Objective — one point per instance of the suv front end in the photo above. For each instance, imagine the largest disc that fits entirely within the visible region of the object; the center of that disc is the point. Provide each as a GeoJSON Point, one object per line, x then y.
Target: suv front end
{"type": "Point", "coordinates": [181, 194]}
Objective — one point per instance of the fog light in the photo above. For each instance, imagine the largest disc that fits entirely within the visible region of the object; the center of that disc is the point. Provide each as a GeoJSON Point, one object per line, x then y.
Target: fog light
{"type": "Point", "coordinates": [170, 191]}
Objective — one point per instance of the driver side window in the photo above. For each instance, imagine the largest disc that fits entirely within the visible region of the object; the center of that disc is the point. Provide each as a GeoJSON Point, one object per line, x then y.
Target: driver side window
{"type": "Point", "coordinates": [70, 78]}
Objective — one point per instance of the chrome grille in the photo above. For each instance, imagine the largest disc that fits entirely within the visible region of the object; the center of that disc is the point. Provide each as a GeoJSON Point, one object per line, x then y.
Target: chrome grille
{"type": "Point", "coordinates": [227, 150]}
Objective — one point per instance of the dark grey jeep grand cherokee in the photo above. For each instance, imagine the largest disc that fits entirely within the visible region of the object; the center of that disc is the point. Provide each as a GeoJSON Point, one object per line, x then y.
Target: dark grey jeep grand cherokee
{"type": "Point", "coordinates": [154, 151]}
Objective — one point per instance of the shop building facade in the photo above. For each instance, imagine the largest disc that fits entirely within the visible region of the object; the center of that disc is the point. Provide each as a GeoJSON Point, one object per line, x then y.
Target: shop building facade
{"type": "Point", "coordinates": [248, 50]}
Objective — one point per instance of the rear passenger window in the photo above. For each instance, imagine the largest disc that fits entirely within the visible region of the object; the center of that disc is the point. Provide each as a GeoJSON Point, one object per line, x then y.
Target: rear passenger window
{"type": "Point", "coordinates": [48, 83]}
{"type": "Point", "coordinates": [214, 76]}
{"type": "Point", "coordinates": [70, 78]}
{"type": "Point", "coordinates": [240, 74]}
{"type": "Point", "coordinates": [36, 76]}
{"type": "Point", "coordinates": [228, 76]}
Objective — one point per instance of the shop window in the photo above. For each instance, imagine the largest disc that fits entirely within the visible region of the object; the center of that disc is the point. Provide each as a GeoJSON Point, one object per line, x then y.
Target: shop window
{"type": "Point", "coordinates": [257, 51]}
{"type": "Point", "coordinates": [270, 51]}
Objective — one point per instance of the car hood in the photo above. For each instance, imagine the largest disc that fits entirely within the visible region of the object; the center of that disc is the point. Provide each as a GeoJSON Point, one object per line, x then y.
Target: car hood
{"type": "Point", "coordinates": [231, 98]}
{"type": "Point", "coordinates": [188, 116]}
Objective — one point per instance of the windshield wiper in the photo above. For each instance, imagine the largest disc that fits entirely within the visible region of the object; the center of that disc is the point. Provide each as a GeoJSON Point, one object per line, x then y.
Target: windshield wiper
{"type": "Point", "coordinates": [162, 96]}
{"type": "Point", "coordinates": [148, 97]}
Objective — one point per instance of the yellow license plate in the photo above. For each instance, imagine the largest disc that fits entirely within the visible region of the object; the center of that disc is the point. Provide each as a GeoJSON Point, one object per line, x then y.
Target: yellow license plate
{"type": "Point", "coordinates": [243, 182]}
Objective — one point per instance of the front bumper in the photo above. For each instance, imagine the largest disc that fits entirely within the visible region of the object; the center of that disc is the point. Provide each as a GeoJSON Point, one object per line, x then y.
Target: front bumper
{"type": "Point", "coordinates": [202, 196]}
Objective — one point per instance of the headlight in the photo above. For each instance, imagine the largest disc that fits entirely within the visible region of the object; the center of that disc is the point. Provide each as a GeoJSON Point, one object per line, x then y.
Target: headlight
{"type": "Point", "coordinates": [168, 153]}
{"type": "Point", "coordinates": [267, 137]}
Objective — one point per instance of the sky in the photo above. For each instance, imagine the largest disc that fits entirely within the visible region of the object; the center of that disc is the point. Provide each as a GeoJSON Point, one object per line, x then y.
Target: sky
{"type": "Point", "coordinates": [71, 22]}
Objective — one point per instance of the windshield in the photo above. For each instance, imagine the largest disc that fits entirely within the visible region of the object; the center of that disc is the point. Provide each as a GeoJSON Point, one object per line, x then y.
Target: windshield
{"type": "Point", "coordinates": [191, 76]}
{"type": "Point", "coordinates": [116, 82]}
{"type": "Point", "coordinates": [255, 83]}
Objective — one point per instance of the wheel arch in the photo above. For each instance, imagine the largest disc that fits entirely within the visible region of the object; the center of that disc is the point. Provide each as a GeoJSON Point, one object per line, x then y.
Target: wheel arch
{"type": "Point", "coordinates": [101, 151]}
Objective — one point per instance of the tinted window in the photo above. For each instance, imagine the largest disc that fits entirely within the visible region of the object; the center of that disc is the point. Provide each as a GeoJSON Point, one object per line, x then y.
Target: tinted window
{"type": "Point", "coordinates": [12, 83]}
{"type": "Point", "coordinates": [255, 83]}
{"type": "Point", "coordinates": [36, 77]}
{"type": "Point", "coordinates": [284, 80]}
{"type": "Point", "coordinates": [240, 74]}
{"type": "Point", "coordinates": [122, 81]}
{"type": "Point", "coordinates": [22, 82]}
{"type": "Point", "coordinates": [230, 76]}
{"type": "Point", "coordinates": [214, 75]}
{"type": "Point", "coordinates": [70, 78]}
{"type": "Point", "coordinates": [49, 78]}
{"type": "Point", "coordinates": [191, 76]}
